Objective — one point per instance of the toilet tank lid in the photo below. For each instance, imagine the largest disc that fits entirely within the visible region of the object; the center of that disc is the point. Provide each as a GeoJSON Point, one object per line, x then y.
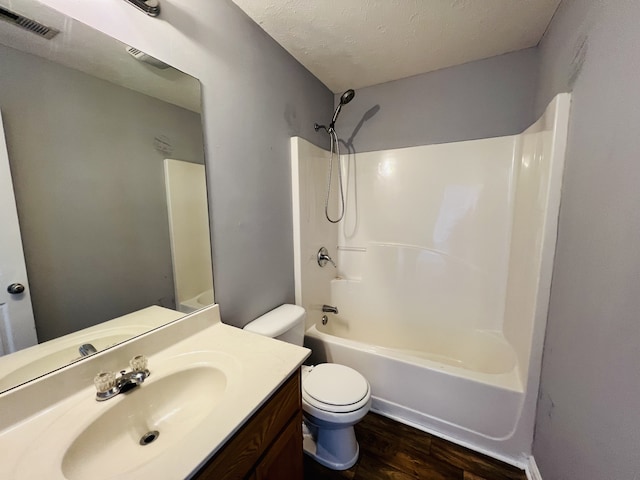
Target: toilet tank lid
{"type": "Point", "coordinates": [277, 321]}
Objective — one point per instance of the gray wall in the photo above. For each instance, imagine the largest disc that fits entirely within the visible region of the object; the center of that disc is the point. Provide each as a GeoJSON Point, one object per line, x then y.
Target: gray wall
{"type": "Point", "coordinates": [588, 426]}
{"type": "Point", "coordinates": [485, 98]}
{"type": "Point", "coordinates": [259, 98]}
{"type": "Point", "coordinates": [90, 190]}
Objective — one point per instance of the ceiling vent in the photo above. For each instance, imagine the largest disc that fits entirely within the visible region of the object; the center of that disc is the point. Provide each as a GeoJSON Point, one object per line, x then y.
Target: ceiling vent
{"type": "Point", "coordinates": [28, 24]}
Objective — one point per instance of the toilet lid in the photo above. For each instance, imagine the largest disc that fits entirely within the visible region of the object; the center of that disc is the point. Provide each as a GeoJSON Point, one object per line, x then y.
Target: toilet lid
{"type": "Point", "coordinates": [337, 385]}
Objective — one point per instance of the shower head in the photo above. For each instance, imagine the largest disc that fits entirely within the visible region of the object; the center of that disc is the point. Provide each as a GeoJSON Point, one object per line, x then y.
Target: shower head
{"type": "Point", "coordinates": [345, 98]}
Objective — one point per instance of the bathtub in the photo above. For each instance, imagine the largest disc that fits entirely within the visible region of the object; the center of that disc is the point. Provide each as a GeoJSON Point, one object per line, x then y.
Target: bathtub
{"type": "Point", "coordinates": [443, 271]}
{"type": "Point", "coordinates": [467, 390]}
{"type": "Point", "coordinates": [201, 300]}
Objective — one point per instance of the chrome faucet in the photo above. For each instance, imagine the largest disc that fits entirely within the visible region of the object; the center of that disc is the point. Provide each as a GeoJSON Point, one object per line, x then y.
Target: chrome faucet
{"type": "Point", "coordinates": [87, 349]}
{"type": "Point", "coordinates": [329, 309]}
{"type": "Point", "coordinates": [110, 384]}
{"type": "Point", "coordinates": [323, 258]}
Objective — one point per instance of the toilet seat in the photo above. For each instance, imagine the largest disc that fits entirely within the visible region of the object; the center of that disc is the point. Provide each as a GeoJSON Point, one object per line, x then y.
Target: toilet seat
{"type": "Point", "coordinates": [335, 388]}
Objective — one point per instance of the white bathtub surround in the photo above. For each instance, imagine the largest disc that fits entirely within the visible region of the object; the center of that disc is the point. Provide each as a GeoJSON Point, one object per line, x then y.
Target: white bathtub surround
{"type": "Point", "coordinates": [311, 230]}
{"type": "Point", "coordinates": [186, 191]}
{"type": "Point", "coordinates": [196, 303]}
{"type": "Point", "coordinates": [532, 470]}
{"type": "Point", "coordinates": [444, 267]}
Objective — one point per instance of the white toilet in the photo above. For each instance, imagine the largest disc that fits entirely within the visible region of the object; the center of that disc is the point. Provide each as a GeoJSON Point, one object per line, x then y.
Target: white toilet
{"type": "Point", "coordinates": [334, 397]}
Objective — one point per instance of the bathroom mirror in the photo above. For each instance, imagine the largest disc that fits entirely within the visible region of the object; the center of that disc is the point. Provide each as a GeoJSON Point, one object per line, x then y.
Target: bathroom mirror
{"type": "Point", "coordinates": [105, 148]}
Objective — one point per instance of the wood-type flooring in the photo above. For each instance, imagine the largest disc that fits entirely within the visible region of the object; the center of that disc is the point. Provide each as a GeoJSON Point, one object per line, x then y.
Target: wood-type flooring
{"type": "Point", "coordinates": [393, 451]}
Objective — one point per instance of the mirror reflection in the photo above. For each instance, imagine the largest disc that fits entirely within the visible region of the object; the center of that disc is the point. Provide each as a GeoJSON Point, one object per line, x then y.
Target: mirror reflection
{"type": "Point", "coordinates": [102, 158]}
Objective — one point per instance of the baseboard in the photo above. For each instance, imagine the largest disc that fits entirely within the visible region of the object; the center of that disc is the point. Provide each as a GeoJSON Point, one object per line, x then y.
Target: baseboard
{"type": "Point", "coordinates": [532, 470]}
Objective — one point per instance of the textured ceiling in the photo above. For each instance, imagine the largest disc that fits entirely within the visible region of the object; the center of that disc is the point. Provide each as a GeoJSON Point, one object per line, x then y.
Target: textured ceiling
{"type": "Point", "coordinates": [357, 43]}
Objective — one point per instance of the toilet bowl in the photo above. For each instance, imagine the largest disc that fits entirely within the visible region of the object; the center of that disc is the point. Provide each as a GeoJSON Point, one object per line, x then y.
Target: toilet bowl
{"type": "Point", "coordinates": [334, 397]}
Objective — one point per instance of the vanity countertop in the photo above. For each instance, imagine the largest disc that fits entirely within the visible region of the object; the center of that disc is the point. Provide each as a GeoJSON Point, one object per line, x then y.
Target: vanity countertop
{"type": "Point", "coordinates": [201, 390]}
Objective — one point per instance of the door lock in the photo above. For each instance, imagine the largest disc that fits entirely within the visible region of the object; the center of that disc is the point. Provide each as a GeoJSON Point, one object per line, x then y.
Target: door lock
{"type": "Point", "coordinates": [15, 288]}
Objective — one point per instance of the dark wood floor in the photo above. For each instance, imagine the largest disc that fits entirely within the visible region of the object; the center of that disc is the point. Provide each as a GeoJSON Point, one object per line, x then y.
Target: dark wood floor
{"type": "Point", "coordinates": [392, 451]}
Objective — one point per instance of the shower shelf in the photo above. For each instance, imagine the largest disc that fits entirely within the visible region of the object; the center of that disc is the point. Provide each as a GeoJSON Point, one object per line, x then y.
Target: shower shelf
{"type": "Point", "coordinates": [351, 249]}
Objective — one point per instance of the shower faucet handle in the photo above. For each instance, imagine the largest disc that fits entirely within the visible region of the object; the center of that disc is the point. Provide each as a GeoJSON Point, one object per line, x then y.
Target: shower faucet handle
{"type": "Point", "coordinates": [323, 257]}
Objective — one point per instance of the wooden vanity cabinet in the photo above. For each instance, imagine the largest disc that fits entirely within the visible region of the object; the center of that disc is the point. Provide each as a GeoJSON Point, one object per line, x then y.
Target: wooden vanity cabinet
{"type": "Point", "coordinates": [268, 446]}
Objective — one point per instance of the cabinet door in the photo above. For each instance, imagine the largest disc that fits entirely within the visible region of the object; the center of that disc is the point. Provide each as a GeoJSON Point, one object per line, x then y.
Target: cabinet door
{"type": "Point", "coordinates": [283, 460]}
{"type": "Point", "coordinates": [240, 457]}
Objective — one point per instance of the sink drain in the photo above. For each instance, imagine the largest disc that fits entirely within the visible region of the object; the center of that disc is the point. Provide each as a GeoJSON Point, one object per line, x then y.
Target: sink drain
{"type": "Point", "coordinates": [149, 437]}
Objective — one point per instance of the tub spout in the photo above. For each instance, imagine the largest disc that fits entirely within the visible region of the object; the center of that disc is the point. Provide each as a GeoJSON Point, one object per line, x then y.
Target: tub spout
{"type": "Point", "coordinates": [329, 309]}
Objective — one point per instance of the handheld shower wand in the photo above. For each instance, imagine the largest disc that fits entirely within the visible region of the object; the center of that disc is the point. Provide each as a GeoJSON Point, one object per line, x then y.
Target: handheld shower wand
{"type": "Point", "coordinates": [345, 98]}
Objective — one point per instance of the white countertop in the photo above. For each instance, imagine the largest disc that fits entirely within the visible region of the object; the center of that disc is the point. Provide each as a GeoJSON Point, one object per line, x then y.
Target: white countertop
{"type": "Point", "coordinates": [41, 419]}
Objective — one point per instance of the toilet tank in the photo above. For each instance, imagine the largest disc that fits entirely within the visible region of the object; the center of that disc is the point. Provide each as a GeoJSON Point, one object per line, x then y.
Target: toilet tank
{"type": "Point", "coordinates": [285, 323]}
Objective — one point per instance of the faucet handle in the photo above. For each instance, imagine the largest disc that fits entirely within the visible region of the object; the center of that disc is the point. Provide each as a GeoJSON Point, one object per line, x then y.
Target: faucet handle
{"type": "Point", "coordinates": [105, 383]}
{"type": "Point", "coordinates": [323, 257]}
{"type": "Point", "coordinates": [139, 363]}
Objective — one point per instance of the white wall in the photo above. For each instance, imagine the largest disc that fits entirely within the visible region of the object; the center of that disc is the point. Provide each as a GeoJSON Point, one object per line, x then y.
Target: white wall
{"type": "Point", "coordinates": [186, 191]}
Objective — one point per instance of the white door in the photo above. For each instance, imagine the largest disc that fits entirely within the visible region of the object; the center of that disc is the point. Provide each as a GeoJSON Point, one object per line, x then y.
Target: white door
{"type": "Point", "coordinates": [17, 326]}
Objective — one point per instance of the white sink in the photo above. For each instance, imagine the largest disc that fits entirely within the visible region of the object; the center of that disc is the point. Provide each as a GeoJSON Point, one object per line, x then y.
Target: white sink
{"type": "Point", "coordinates": [144, 423]}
